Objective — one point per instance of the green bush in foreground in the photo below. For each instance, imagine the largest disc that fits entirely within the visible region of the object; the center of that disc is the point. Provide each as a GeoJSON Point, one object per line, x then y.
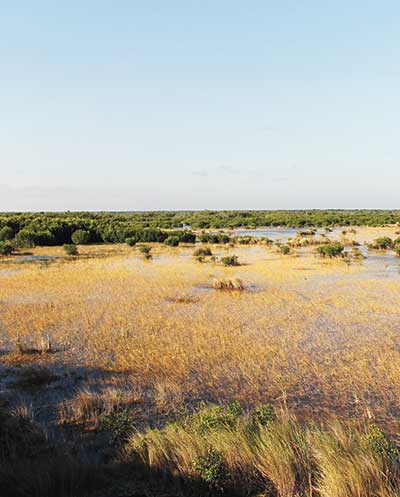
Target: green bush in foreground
{"type": "Point", "coordinates": [71, 249]}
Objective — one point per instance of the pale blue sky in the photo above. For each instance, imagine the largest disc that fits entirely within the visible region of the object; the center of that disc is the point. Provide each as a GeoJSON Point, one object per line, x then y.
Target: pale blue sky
{"type": "Point", "coordinates": [217, 104]}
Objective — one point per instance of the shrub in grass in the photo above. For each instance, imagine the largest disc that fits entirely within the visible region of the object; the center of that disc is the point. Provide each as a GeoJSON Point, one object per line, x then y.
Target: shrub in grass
{"type": "Point", "coordinates": [145, 249]}
{"type": "Point", "coordinates": [383, 243]}
{"type": "Point", "coordinates": [80, 237]}
{"type": "Point", "coordinates": [264, 414]}
{"type": "Point", "coordinates": [212, 470]}
{"type": "Point", "coordinates": [228, 284]}
{"type": "Point", "coordinates": [172, 241]}
{"type": "Point", "coordinates": [356, 253]}
{"type": "Point", "coordinates": [230, 260]}
{"type": "Point", "coordinates": [202, 252]}
{"type": "Point", "coordinates": [71, 249]}
{"type": "Point", "coordinates": [6, 248]}
{"type": "Point", "coordinates": [284, 249]}
{"type": "Point", "coordinates": [310, 232]}
{"type": "Point", "coordinates": [131, 241]}
{"type": "Point", "coordinates": [330, 250]}
{"type": "Point", "coordinates": [215, 418]}
{"type": "Point", "coordinates": [119, 423]}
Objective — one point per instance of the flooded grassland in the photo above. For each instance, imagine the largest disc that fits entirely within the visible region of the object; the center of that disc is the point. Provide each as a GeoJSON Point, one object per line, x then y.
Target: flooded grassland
{"type": "Point", "coordinates": [321, 335]}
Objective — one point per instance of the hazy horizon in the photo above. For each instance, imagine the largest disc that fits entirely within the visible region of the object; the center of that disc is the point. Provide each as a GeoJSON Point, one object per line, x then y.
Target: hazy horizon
{"type": "Point", "coordinates": [199, 106]}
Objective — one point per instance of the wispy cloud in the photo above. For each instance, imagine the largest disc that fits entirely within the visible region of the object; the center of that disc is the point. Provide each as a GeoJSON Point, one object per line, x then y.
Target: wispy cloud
{"type": "Point", "coordinates": [200, 172]}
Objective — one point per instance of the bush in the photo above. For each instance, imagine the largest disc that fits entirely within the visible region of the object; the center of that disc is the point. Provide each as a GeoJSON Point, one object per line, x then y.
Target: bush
{"type": "Point", "coordinates": [383, 243]}
{"type": "Point", "coordinates": [70, 249]}
{"type": "Point", "coordinates": [284, 249]}
{"type": "Point", "coordinates": [216, 418]}
{"type": "Point", "coordinates": [6, 248]}
{"type": "Point", "coordinates": [230, 260]}
{"type": "Point", "coordinates": [145, 249]}
{"type": "Point", "coordinates": [80, 237]}
{"type": "Point", "coordinates": [131, 241]}
{"type": "Point", "coordinates": [331, 250]}
{"type": "Point", "coordinates": [119, 423]}
{"type": "Point", "coordinates": [214, 238]}
{"type": "Point", "coordinates": [25, 239]}
{"type": "Point", "coordinates": [264, 414]}
{"type": "Point", "coordinates": [172, 241]}
{"type": "Point", "coordinates": [6, 233]}
{"type": "Point", "coordinates": [202, 252]}
{"type": "Point", "coordinates": [212, 470]}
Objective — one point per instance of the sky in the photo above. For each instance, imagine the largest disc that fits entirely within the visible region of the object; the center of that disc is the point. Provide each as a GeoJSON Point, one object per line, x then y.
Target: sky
{"type": "Point", "coordinates": [222, 104]}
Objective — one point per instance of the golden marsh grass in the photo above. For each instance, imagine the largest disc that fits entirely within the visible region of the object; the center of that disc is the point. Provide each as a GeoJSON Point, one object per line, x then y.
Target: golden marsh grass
{"type": "Point", "coordinates": [319, 334]}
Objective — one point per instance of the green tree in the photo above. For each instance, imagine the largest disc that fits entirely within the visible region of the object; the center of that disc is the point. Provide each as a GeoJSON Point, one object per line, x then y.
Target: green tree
{"type": "Point", "coordinates": [80, 237]}
{"type": "Point", "coordinates": [6, 248]}
{"type": "Point", "coordinates": [6, 233]}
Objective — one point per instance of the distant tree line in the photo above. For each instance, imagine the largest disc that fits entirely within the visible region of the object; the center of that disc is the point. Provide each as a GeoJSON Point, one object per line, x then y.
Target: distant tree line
{"type": "Point", "coordinates": [48, 228]}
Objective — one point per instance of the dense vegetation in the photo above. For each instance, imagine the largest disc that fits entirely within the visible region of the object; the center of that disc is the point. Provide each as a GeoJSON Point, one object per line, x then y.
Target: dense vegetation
{"type": "Point", "coordinates": [28, 229]}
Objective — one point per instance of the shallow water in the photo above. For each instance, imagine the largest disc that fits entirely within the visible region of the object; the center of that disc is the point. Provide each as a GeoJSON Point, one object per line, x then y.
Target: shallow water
{"type": "Point", "coordinates": [279, 233]}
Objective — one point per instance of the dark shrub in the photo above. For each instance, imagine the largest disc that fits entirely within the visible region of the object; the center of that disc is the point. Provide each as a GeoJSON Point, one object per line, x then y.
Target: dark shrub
{"type": "Point", "coordinates": [186, 236]}
{"type": "Point", "coordinates": [70, 249]}
{"type": "Point", "coordinates": [214, 238]}
{"type": "Point", "coordinates": [6, 248]}
{"type": "Point", "coordinates": [172, 241]}
{"type": "Point", "coordinates": [145, 249]}
{"type": "Point", "coordinates": [131, 241]}
{"type": "Point", "coordinates": [383, 243]}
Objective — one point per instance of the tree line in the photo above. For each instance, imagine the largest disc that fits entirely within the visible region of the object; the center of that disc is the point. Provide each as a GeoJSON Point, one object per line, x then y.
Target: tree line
{"type": "Point", "coordinates": [47, 228]}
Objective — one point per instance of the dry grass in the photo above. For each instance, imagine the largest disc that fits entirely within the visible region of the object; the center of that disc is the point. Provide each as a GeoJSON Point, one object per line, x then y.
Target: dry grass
{"type": "Point", "coordinates": [88, 406]}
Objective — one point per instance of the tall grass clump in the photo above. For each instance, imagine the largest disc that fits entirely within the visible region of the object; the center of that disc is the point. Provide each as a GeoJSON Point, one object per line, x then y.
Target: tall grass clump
{"type": "Point", "coordinates": [354, 463]}
{"type": "Point", "coordinates": [228, 284]}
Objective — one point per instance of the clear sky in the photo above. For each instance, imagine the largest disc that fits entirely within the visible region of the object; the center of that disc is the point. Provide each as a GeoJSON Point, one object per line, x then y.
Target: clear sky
{"type": "Point", "coordinates": [155, 104]}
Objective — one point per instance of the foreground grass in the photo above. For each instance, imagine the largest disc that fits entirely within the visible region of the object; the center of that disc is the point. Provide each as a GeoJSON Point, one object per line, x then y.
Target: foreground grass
{"type": "Point", "coordinates": [216, 450]}
{"type": "Point", "coordinates": [224, 450]}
